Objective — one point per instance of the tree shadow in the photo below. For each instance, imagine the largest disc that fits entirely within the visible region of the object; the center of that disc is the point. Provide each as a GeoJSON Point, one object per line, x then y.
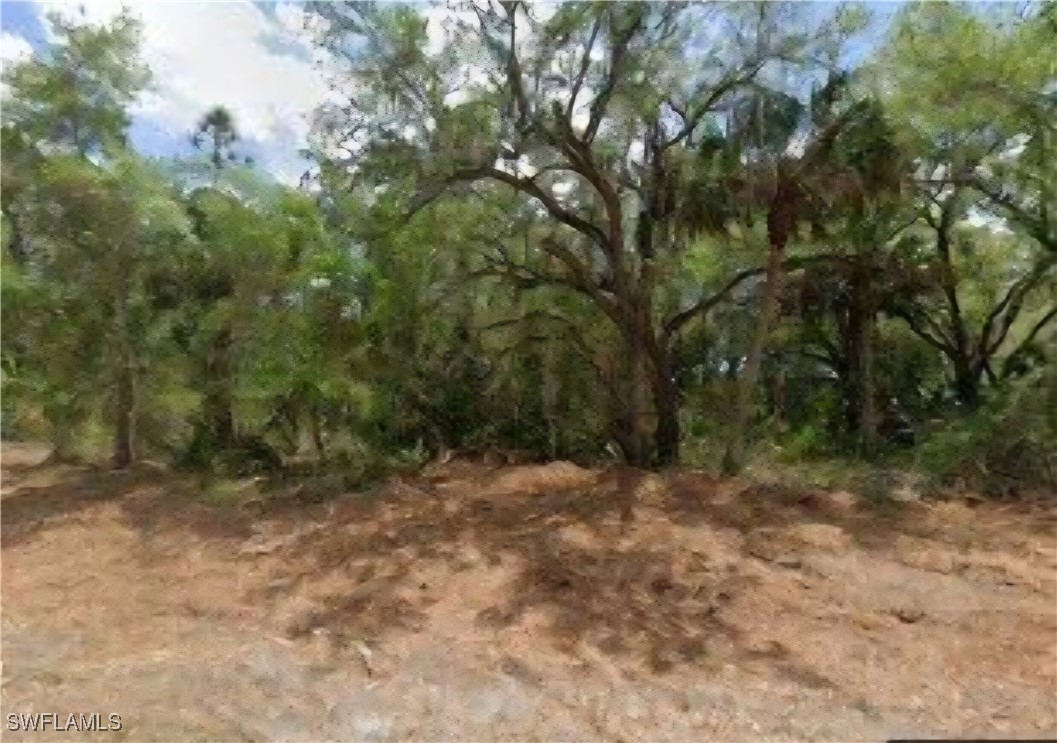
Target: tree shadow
{"type": "Point", "coordinates": [754, 506]}
{"type": "Point", "coordinates": [16, 473]}
{"type": "Point", "coordinates": [178, 506]}
{"type": "Point", "coordinates": [573, 556]}
{"type": "Point", "coordinates": [628, 600]}
{"type": "Point", "coordinates": [68, 491]}
{"type": "Point", "coordinates": [151, 499]}
{"type": "Point", "coordinates": [624, 602]}
{"type": "Point", "coordinates": [571, 568]}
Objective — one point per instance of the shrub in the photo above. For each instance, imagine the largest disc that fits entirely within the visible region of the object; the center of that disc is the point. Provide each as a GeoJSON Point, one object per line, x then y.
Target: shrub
{"type": "Point", "coordinates": [1008, 443]}
{"type": "Point", "coordinates": [806, 442]}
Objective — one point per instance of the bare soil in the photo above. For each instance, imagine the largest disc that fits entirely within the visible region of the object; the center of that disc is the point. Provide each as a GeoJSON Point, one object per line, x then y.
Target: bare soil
{"type": "Point", "coordinates": [536, 602]}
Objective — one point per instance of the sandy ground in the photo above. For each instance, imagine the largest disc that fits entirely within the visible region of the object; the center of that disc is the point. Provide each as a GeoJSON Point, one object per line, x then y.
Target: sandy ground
{"type": "Point", "coordinates": [539, 602]}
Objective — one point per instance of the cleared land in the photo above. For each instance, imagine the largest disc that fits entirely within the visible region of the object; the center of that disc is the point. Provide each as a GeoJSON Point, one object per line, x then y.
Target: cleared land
{"type": "Point", "coordinates": [531, 602]}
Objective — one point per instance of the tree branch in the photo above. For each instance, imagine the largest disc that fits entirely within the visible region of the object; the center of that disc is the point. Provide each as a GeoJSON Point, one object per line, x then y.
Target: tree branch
{"type": "Point", "coordinates": [1037, 226]}
{"type": "Point", "coordinates": [1007, 366]}
{"type": "Point", "coordinates": [690, 121]}
{"type": "Point", "coordinates": [939, 341]}
{"type": "Point", "coordinates": [585, 64]}
{"type": "Point", "coordinates": [570, 327]}
{"type": "Point", "coordinates": [530, 187]}
{"type": "Point", "coordinates": [577, 277]}
{"type": "Point", "coordinates": [676, 323]}
{"type": "Point", "coordinates": [1009, 308]}
{"type": "Point", "coordinates": [618, 55]}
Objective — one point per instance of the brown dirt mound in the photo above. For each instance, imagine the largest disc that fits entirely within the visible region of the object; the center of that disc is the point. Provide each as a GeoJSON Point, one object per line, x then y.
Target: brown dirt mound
{"type": "Point", "coordinates": [580, 605]}
{"type": "Point", "coordinates": [534, 479]}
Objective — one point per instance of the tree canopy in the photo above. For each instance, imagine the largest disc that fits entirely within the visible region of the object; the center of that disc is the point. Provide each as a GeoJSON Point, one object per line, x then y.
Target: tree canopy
{"type": "Point", "coordinates": [585, 230]}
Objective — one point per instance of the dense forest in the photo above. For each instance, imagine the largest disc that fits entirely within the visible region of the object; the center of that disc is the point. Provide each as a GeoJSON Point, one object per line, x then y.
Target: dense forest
{"type": "Point", "coordinates": [654, 233]}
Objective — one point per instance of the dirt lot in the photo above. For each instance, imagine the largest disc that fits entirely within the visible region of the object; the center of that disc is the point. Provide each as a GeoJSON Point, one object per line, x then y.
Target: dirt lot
{"type": "Point", "coordinates": [539, 602]}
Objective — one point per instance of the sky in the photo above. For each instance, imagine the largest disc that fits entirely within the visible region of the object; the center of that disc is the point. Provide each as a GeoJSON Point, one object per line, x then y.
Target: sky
{"type": "Point", "coordinates": [252, 57]}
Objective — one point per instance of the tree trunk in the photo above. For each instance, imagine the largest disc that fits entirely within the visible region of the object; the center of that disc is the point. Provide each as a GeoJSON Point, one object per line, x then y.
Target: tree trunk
{"type": "Point", "coordinates": [654, 394]}
{"type": "Point", "coordinates": [779, 227]}
{"type": "Point", "coordinates": [778, 396]}
{"type": "Point", "coordinates": [867, 433]}
{"type": "Point", "coordinates": [966, 383]}
{"type": "Point", "coordinates": [639, 442]}
{"type": "Point", "coordinates": [317, 433]}
{"type": "Point", "coordinates": [666, 400]}
{"type": "Point", "coordinates": [663, 388]}
{"type": "Point", "coordinates": [219, 400]}
{"type": "Point", "coordinates": [613, 374]}
{"type": "Point", "coordinates": [62, 440]}
{"type": "Point", "coordinates": [125, 402]}
{"type": "Point", "coordinates": [16, 244]}
{"type": "Point", "coordinates": [966, 379]}
{"type": "Point", "coordinates": [735, 455]}
{"type": "Point", "coordinates": [125, 412]}
{"type": "Point", "coordinates": [860, 407]}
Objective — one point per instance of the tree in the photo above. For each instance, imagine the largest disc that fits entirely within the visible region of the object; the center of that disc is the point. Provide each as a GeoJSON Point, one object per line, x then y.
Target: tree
{"type": "Point", "coordinates": [989, 151]}
{"type": "Point", "coordinates": [808, 162]}
{"type": "Point", "coordinates": [979, 104]}
{"type": "Point", "coordinates": [217, 131]}
{"type": "Point", "coordinates": [590, 101]}
{"type": "Point", "coordinates": [580, 231]}
{"type": "Point", "coordinates": [99, 230]}
{"type": "Point", "coordinates": [971, 337]}
{"type": "Point", "coordinates": [82, 226]}
{"type": "Point", "coordinates": [75, 96]}
{"type": "Point", "coordinates": [71, 98]}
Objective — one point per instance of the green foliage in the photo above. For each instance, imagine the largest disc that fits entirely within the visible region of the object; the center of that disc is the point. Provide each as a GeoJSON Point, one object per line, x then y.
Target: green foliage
{"type": "Point", "coordinates": [551, 238]}
{"type": "Point", "coordinates": [1007, 444]}
{"type": "Point", "coordinates": [77, 94]}
{"type": "Point", "coordinates": [221, 492]}
{"type": "Point", "coordinates": [807, 442]}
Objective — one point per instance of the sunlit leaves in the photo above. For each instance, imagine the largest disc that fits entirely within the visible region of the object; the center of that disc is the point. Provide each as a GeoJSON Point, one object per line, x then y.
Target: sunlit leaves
{"type": "Point", "coordinates": [76, 94]}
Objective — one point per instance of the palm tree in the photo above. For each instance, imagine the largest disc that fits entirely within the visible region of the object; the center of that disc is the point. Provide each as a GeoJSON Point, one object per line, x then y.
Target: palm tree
{"type": "Point", "coordinates": [217, 129]}
{"type": "Point", "coordinates": [790, 155]}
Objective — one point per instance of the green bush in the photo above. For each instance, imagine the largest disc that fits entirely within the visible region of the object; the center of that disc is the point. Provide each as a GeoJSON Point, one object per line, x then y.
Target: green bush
{"type": "Point", "coordinates": [808, 441]}
{"type": "Point", "coordinates": [1008, 443]}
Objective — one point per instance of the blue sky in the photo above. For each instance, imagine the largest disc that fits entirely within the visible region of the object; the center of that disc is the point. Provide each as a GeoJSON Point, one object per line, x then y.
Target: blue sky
{"type": "Point", "coordinates": [23, 21]}
{"type": "Point", "coordinates": [252, 57]}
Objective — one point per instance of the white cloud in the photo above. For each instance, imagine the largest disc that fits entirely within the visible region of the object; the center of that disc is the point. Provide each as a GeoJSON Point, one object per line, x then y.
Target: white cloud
{"type": "Point", "coordinates": [442, 22]}
{"type": "Point", "coordinates": [992, 222]}
{"type": "Point", "coordinates": [471, 77]}
{"type": "Point", "coordinates": [261, 66]}
{"type": "Point", "coordinates": [522, 167]}
{"type": "Point", "coordinates": [581, 118]}
{"type": "Point", "coordinates": [636, 151]}
{"type": "Point", "coordinates": [796, 145]}
{"type": "Point", "coordinates": [1016, 146]}
{"type": "Point", "coordinates": [205, 54]}
{"type": "Point", "coordinates": [13, 48]}
{"type": "Point", "coordinates": [563, 188]}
